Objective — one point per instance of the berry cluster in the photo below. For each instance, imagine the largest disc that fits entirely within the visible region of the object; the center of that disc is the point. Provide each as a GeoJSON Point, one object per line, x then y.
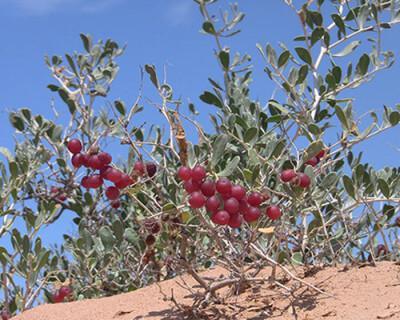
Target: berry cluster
{"type": "Point", "coordinates": [316, 159]}
{"type": "Point", "coordinates": [153, 227]}
{"type": "Point", "coordinates": [57, 193]}
{"type": "Point", "coordinates": [61, 294]}
{"type": "Point", "coordinates": [100, 161]}
{"type": "Point", "coordinates": [299, 179]}
{"type": "Point", "coordinates": [228, 204]}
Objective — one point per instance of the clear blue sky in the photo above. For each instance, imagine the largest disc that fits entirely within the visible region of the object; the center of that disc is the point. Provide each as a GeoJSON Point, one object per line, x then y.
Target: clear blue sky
{"type": "Point", "coordinates": [161, 32]}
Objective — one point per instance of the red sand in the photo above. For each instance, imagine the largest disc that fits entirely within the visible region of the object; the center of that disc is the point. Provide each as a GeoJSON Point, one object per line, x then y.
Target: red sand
{"type": "Point", "coordinates": [359, 294]}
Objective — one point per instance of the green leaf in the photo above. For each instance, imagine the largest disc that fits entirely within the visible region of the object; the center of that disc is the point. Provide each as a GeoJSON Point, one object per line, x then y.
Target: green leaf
{"type": "Point", "coordinates": [230, 167]}
{"type": "Point", "coordinates": [339, 23]}
{"type": "Point", "coordinates": [250, 134]}
{"type": "Point", "coordinates": [224, 58]}
{"type": "Point", "coordinates": [72, 64]}
{"type": "Point", "coordinates": [347, 50]}
{"type": "Point", "coordinates": [342, 117]}
{"type": "Point", "coordinates": [107, 238]}
{"type": "Point", "coordinates": [118, 229]}
{"type": "Point", "coordinates": [209, 27]}
{"type": "Point", "coordinates": [303, 72]}
{"type": "Point", "coordinates": [69, 102]}
{"type": "Point", "coordinates": [17, 122]}
{"type": "Point", "coordinates": [211, 98]}
{"type": "Point", "coordinates": [120, 106]}
{"type": "Point", "coordinates": [389, 211]}
{"type": "Point", "coordinates": [283, 58]}
{"type": "Point", "coordinates": [394, 118]}
{"type": "Point", "coordinates": [219, 146]}
{"type": "Point", "coordinates": [276, 105]}
{"type": "Point", "coordinates": [316, 35]}
{"type": "Point", "coordinates": [297, 258]}
{"type": "Point", "coordinates": [53, 87]}
{"type": "Point", "coordinates": [151, 70]}
{"type": "Point", "coordinates": [131, 236]}
{"type": "Point", "coordinates": [384, 187]}
{"type": "Point", "coordinates": [87, 42]}
{"type": "Point", "coordinates": [329, 180]}
{"type": "Point", "coordinates": [349, 186]}
{"type": "Point", "coordinates": [363, 64]}
{"type": "Point", "coordinates": [304, 55]}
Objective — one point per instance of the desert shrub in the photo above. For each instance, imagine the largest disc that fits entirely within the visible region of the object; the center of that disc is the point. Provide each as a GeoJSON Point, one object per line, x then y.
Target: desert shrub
{"type": "Point", "coordinates": [311, 199]}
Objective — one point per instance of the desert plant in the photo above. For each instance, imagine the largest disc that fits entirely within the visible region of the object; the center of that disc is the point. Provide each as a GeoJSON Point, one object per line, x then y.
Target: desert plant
{"type": "Point", "coordinates": [266, 186]}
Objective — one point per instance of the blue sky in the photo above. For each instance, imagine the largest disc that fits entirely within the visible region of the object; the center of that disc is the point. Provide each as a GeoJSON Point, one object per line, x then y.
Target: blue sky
{"type": "Point", "coordinates": [161, 32]}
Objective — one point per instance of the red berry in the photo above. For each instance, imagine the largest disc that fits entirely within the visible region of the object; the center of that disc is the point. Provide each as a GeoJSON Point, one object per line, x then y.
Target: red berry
{"type": "Point", "coordinates": [235, 221]}
{"type": "Point", "coordinates": [243, 205]}
{"type": "Point", "coordinates": [191, 186]}
{"type": "Point", "coordinates": [139, 168]}
{"type": "Point", "coordinates": [231, 205]}
{"type": "Point", "coordinates": [151, 169]}
{"type": "Point", "coordinates": [95, 181]}
{"type": "Point", "coordinates": [150, 240]}
{"type": "Point", "coordinates": [221, 217]}
{"type": "Point", "coordinates": [112, 193]}
{"type": "Point", "coordinates": [62, 197]}
{"type": "Point", "coordinates": [198, 173]}
{"type": "Point", "coordinates": [273, 212]}
{"type": "Point", "coordinates": [95, 163]}
{"type": "Point", "coordinates": [224, 186]}
{"type": "Point", "coordinates": [156, 228]}
{"type": "Point", "coordinates": [197, 200]}
{"type": "Point", "coordinates": [85, 160]}
{"type": "Point", "coordinates": [252, 214]}
{"type": "Point", "coordinates": [208, 188]}
{"type": "Point", "coordinates": [114, 175]}
{"type": "Point", "coordinates": [64, 291]}
{"type": "Point", "coordinates": [57, 298]}
{"type": "Point", "coordinates": [184, 173]}
{"type": "Point", "coordinates": [74, 146]}
{"type": "Point", "coordinates": [320, 154]}
{"type": "Point", "coordinates": [105, 158]}
{"type": "Point", "coordinates": [77, 160]}
{"type": "Point", "coordinates": [288, 175]}
{"type": "Point", "coordinates": [54, 190]}
{"type": "Point", "coordinates": [85, 182]}
{"type": "Point", "coordinates": [213, 204]}
{"type": "Point", "coordinates": [238, 192]}
{"type": "Point", "coordinates": [381, 249]}
{"type": "Point", "coordinates": [303, 180]}
{"type": "Point", "coordinates": [124, 182]}
{"type": "Point", "coordinates": [5, 315]}
{"type": "Point", "coordinates": [104, 172]}
{"type": "Point", "coordinates": [254, 199]}
{"type": "Point", "coordinates": [313, 161]}
{"type": "Point", "coordinates": [115, 204]}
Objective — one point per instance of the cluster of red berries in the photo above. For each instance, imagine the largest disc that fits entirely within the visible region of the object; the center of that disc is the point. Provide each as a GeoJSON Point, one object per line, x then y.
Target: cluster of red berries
{"type": "Point", "coordinates": [299, 179]}
{"type": "Point", "coordinates": [61, 294]}
{"type": "Point", "coordinates": [229, 204]}
{"type": "Point", "coordinates": [316, 159]}
{"type": "Point", "coordinates": [58, 193]}
{"type": "Point", "coordinates": [101, 161]}
{"type": "Point", "coordinates": [153, 227]}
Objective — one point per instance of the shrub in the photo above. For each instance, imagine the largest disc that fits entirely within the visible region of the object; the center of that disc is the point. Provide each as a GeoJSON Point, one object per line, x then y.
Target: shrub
{"type": "Point", "coordinates": [278, 190]}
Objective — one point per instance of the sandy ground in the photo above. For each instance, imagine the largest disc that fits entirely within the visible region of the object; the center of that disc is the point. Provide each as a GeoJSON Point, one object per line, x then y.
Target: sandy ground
{"type": "Point", "coordinates": [358, 294]}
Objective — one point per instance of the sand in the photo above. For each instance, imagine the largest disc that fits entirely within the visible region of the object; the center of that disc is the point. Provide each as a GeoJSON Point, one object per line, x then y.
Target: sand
{"type": "Point", "coordinates": [358, 294]}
